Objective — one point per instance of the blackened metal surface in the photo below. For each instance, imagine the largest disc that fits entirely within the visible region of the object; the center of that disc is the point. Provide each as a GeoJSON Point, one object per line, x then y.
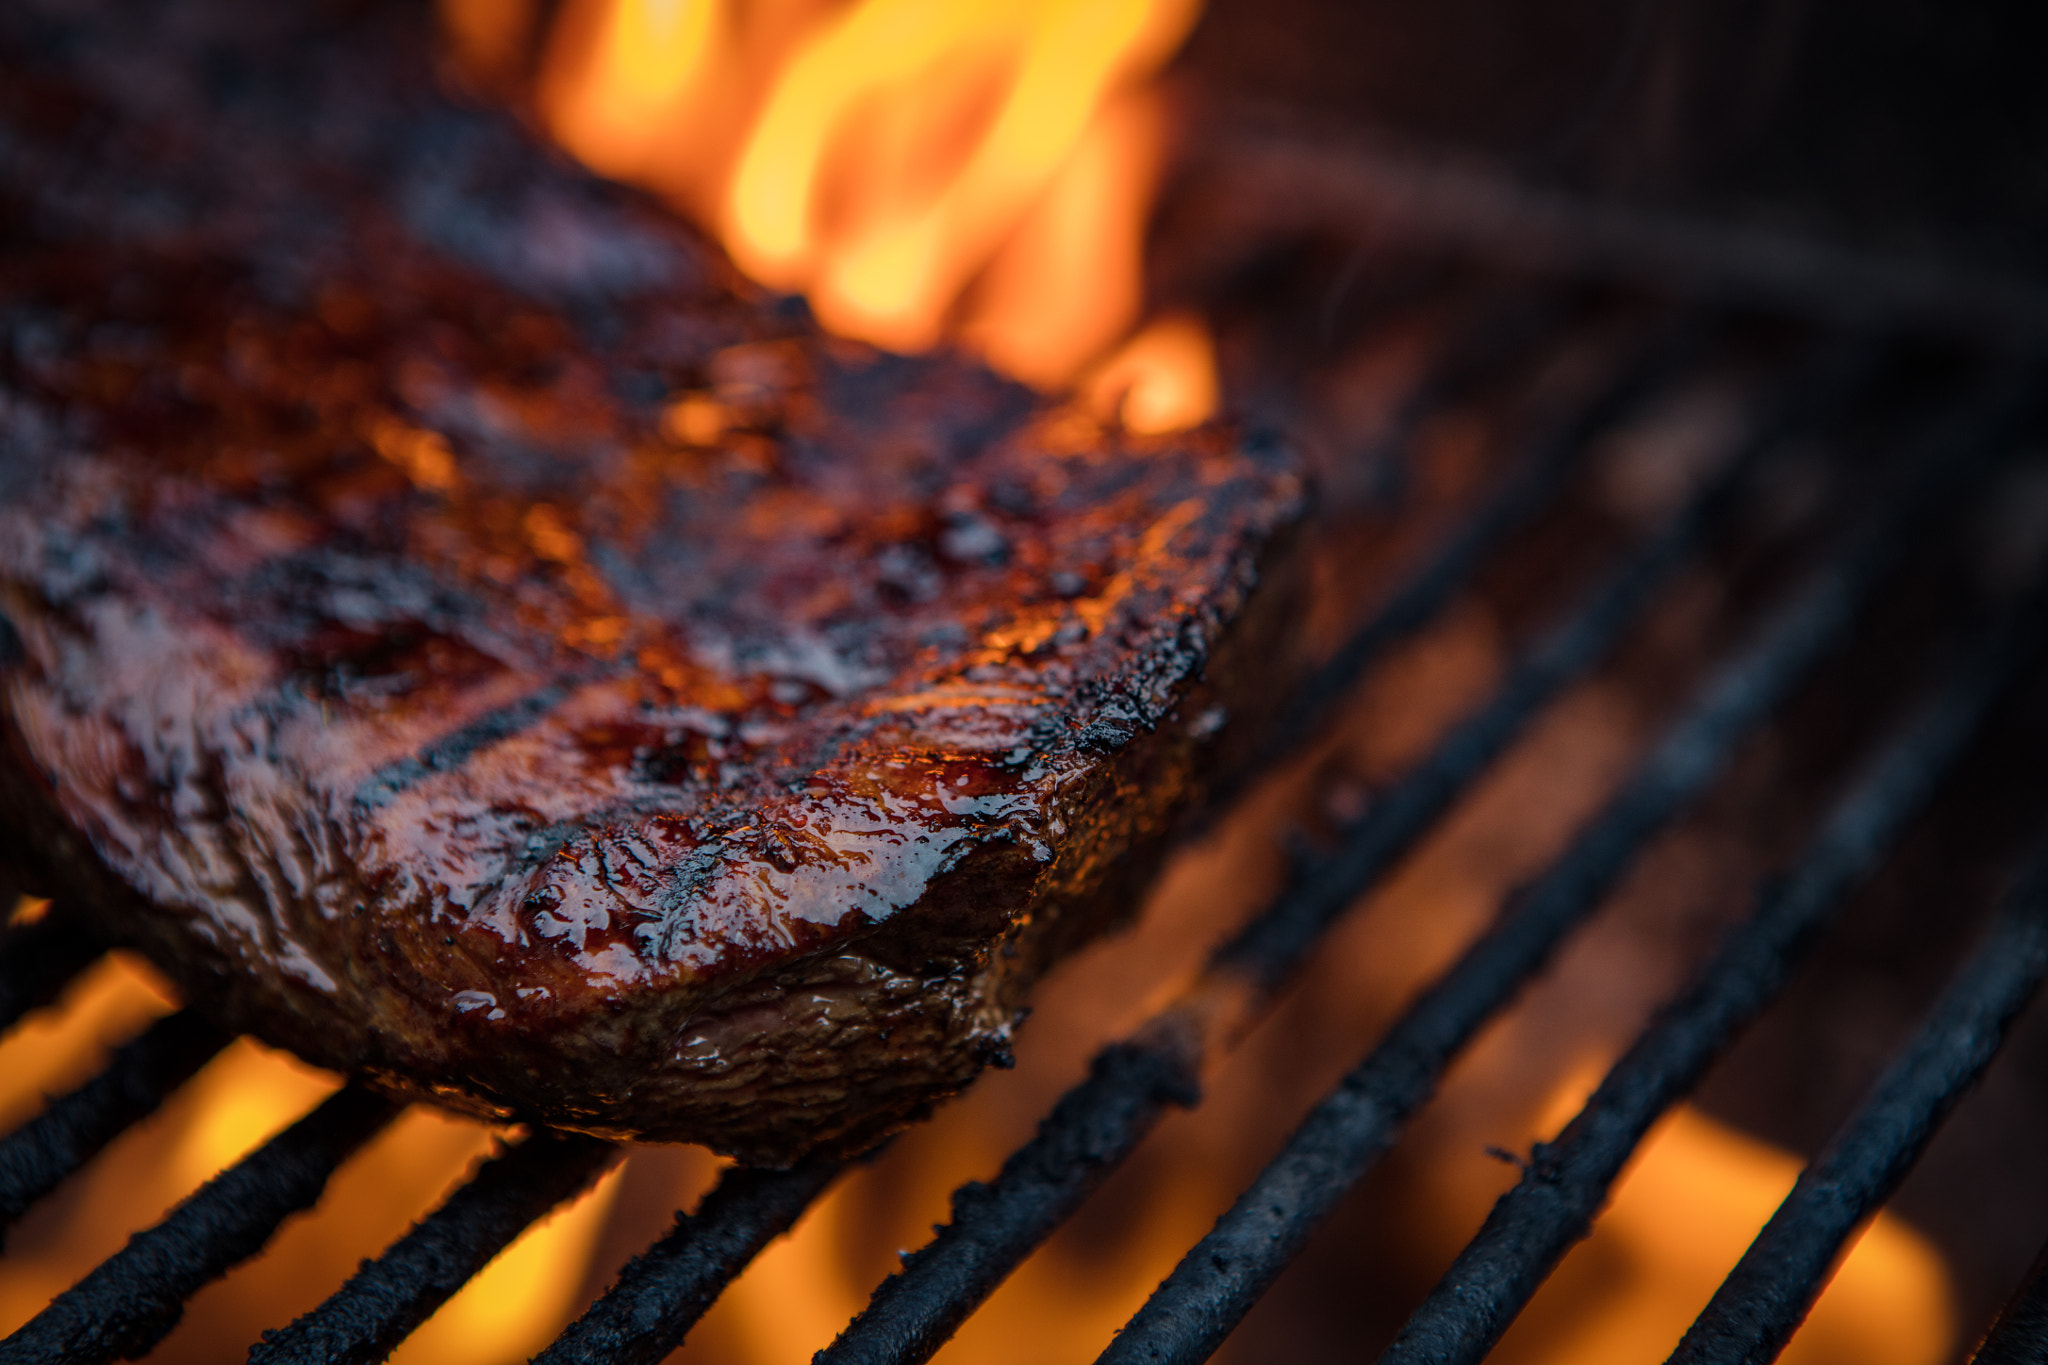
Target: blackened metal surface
{"type": "Point", "coordinates": [1567, 1181]}
{"type": "Point", "coordinates": [37, 961]}
{"type": "Point", "coordinates": [2020, 1335]}
{"type": "Point", "coordinates": [135, 1297]}
{"type": "Point", "coordinates": [1216, 1283]}
{"type": "Point", "coordinates": [41, 1154]}
{"type": "Point", "coordinates": [1096, 1125]}
{"type": "Point", "coordinates": [663, 1291]}
{"type": "Point", "coordinates": [1275, 943]}
{"type": "Point", "coordinates": [1133, 1083]}
{"type": "Point", "coordinates": [1766, 1296]}
{"type": "Point", "coordinates": [390, 1296]}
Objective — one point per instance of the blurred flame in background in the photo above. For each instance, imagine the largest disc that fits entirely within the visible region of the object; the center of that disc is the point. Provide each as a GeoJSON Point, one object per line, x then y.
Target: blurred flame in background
{"type": "Point", "coordinates": [921, 170]}
{"type": "Point", "coordinates": [241, 1099]}
{"type": "Point", "coordinates": [1681, 1215]}
{"type": "Point", "coordinates": [925, 171]}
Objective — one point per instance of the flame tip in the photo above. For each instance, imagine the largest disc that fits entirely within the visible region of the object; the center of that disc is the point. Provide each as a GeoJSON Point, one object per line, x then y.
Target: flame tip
{"type": "Point", "coordinates": [922, 170]}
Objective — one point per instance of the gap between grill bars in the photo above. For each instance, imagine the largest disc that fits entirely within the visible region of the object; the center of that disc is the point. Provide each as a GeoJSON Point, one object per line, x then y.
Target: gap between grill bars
{"type": "Point", "coordinates": [134, 1298]}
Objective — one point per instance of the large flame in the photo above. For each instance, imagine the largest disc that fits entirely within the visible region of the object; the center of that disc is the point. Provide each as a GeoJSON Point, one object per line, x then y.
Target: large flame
{"type": "Point", "coordinates": [922, 170]}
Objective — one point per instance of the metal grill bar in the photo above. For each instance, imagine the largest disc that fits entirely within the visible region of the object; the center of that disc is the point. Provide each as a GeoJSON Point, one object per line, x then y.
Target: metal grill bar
{"type": "Point", "coordinates": [2020, 1335]}
{"type": "Point", "coordinates": [1535, 475]}
{"type": "Point", "coordinates": [662, 1293]}
{"type": "Point", "coordinates": [135, 1297]}
{"type": "Point", "coordinates": [37, 961]}
{"type": "Point", "coordinates": [1216, 1283]}
{"type": "Point", "coordinates": [1766, 1296]}
{"type": "Point", "coordinates": [43, 1153]}
{"type": "Point", "coordinates": [1566, 1181]}
{"type": "Point", "coordinates": [381, 1303]}
{"type": "Point", "coordinates": [1133, 1082]}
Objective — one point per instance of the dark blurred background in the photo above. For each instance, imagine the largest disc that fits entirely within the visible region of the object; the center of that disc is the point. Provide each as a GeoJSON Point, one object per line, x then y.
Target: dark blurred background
{"type": "Point", "coordinates": [1906, 127]}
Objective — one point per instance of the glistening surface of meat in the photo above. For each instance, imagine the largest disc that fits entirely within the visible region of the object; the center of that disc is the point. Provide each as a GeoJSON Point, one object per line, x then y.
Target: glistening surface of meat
{"type": "Point", "coordinates": [464, 636]}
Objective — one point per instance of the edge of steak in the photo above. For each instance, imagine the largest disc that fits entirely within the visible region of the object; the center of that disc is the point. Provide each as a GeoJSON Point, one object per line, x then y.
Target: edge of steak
{"type": "Point", "coordinates": [385, 659]}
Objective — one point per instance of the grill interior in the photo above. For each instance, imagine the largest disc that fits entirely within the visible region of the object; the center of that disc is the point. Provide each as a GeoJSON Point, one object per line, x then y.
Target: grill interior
{"type": "Point", "coordinates": [1786, 512]}
{"type": "Point", "coordinates": [1843, 571]}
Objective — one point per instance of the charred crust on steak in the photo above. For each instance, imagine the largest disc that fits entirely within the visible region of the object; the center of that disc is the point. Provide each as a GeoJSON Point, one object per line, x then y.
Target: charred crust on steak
{"type": "Point", "coordinates": [464, 634]}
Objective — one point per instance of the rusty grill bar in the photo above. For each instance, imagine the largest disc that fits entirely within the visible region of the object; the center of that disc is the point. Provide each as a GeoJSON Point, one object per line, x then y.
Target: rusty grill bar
{"type": "Point", "coordinates": [134, 1299]}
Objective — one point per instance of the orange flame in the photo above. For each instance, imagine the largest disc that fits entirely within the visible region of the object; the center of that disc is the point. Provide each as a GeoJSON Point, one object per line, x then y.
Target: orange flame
{"type": "Point", "coordinates": [1161, 380]}
{"type": "Point", "coordinates": [515, 1307]}
{"type": "Point", "coordinates": [1682, 1214]}
{"type": "Point", "coordinates": [920, 169]}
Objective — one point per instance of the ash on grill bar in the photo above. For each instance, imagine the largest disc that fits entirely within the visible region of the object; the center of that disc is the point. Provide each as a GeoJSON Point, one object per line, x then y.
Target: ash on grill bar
{"type": "Point", "coordinates": [1619, 948]}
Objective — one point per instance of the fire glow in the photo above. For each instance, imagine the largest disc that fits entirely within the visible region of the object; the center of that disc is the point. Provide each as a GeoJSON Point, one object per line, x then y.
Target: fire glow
{"type": "Point", "coordinates": [921, 170]}
{"type": "Point", "coordinates": [1692, 1197]}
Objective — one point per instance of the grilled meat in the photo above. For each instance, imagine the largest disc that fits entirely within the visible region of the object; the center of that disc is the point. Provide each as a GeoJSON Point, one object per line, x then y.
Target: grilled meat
{"type": "Point", "coordinates": [463, 635]}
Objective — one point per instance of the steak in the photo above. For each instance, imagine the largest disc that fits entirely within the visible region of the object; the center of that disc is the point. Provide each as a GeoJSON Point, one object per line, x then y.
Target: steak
{"type": "Point", "coordinates": [465, 634]}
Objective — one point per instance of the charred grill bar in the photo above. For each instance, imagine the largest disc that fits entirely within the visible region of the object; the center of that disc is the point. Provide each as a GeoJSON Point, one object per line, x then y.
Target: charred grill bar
{"type": "Point", "coordinates": [914, 1312]}
{"type": "Point", "coordinates": [43, 1153]}
{"type": "Point", "coordinates": [1816, 395]}
{"type": "Point", "coordinates": [398, 1291]}
{"type": "Point", "coordinates": [1767, 1294]}
{"type": "Point", "coordinates": [134, 1298]}
{"type": "Point", "coordinates": [1569, 1179]}
{"type": "Point", "coordinates": [1218, 1281]}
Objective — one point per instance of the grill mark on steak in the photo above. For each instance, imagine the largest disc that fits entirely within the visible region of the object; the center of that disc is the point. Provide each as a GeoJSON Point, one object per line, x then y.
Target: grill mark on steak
{"type": "Point", "coordinates": [384, 672]}
{"type": "Point", "coordinates": [453, 751]}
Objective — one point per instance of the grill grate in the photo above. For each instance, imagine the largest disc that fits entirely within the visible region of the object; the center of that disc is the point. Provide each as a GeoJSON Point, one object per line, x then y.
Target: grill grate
{"type": "Point", "coordinates": [399, 1290]}
{"type": "Point", "coordinates": [43, 1153]}
{"type": "Point", "coordinates": [1213, 1287]}
{"type": "Point", "coordinates": [135, 1298]}
{"type": "Point", "coordinates": [1769, 1291]}
{"type": "Point", "coordinates": [1568, 1180]}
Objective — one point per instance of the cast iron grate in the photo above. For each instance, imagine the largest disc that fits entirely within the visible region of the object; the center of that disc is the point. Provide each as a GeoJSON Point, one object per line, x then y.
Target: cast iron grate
{"type": "Point", "coordinates": [1810, 388]}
